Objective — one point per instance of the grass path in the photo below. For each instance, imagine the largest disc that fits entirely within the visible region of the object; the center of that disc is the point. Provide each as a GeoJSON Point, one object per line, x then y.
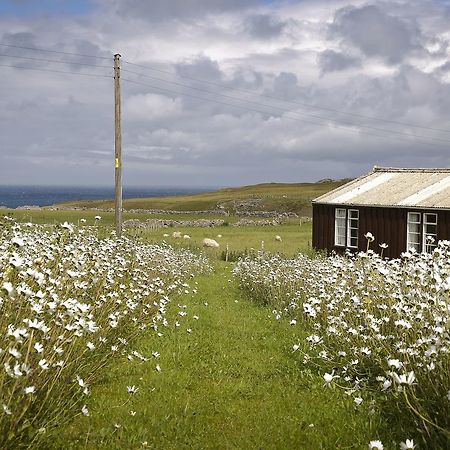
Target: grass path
{"type": "Point", "coordinates": [230, 383]}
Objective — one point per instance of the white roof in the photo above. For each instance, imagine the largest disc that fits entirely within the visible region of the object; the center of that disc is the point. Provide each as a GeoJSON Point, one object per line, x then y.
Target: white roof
{"type": "Point", "coordinates": [390, 187]}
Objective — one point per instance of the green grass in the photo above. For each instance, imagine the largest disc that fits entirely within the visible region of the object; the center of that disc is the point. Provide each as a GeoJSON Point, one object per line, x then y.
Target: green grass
{"type": "Point", "coordinates": [283, 197]}
{"type": "Point", "coordinates": [233, 383]}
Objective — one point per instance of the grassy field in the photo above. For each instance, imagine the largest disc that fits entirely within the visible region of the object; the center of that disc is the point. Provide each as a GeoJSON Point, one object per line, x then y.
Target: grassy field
{"type": "Point", "coordinates": [283, 197]}
{"type": "Point", "coordinates": [233, 382]}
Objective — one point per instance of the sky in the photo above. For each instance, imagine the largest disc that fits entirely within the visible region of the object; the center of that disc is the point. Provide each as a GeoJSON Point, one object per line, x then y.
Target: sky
{"type": "Point", "coordinates": [222, 92]}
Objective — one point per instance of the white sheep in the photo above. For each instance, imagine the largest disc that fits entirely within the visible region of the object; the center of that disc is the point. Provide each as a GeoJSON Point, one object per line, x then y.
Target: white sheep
{"type": "Point", "coordinates": [210, 243]}
{"type": "Point", "coordinates": [278, 238]}
{"type": "Point", "coordinates": [176, 234]}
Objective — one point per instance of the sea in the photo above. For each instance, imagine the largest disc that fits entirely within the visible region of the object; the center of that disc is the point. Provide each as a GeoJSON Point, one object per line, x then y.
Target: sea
{"type": "Point", "coordinates": [14, 196]}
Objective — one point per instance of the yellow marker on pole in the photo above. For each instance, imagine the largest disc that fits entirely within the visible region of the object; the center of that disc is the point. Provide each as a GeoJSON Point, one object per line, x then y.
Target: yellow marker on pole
{"type": "Point", "coordinates": [117, 163]}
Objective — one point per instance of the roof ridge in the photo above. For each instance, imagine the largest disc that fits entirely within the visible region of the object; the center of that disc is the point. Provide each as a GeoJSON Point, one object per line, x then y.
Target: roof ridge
{"type": "Point", "coordinates": [412, 169]}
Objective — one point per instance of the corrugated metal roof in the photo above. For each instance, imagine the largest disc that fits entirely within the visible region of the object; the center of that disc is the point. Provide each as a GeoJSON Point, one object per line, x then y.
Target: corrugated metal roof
{"type": "Point", "coordinates": [417, 188]}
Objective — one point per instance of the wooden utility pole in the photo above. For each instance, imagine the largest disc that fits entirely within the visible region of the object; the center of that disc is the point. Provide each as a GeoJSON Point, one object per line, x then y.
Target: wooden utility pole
{"type": "Point", "coordinates": [118, 145]}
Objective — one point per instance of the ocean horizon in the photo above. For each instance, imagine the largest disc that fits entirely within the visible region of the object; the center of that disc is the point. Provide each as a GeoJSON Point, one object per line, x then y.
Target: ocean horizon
{"type": "Point", "coordinates": [15, 196]}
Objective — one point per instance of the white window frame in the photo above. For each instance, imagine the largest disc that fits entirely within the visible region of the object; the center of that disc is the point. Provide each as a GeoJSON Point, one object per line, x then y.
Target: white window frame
{"type": "Point", "coordinates": [425, 220]}
{"type": "Point", "coordinates": [428, 248]}
{"type": "Point", "coordinates": [350, 228]}
{"type": "Point", "coordinates": [340, 222]}
{"type": "Point", "coordinates": [409, 244]}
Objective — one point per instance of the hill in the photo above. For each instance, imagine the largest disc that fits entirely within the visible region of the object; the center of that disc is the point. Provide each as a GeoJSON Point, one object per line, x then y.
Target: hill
{"type": "Point", "coordinates": [282, 197]}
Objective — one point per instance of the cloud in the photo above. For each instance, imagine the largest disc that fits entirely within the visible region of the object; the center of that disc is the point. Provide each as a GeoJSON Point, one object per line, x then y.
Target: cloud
{"type": "Point", "coordinates": [178, 9]}
{"type": "Point", "coordinates": [376, 33]}
{"type": "Point", "coordinates": [242, 95]}
{"type": "Point", "coordinates": [264, 26]}
{"type": "Point", "coordinates": [332, 61]}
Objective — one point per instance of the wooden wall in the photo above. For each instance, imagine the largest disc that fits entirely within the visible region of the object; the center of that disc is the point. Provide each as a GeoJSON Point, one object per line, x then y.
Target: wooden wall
{"type": "Point", "coordinates": [388, 225]}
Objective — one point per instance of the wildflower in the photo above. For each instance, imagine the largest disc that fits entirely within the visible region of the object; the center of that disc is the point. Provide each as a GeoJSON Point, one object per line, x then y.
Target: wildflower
{"type": "Point", "coordinates": [408, 444]}
{"type": "Point", "coordinates": [85, 411]}
{"type": "Point", "coordinates": [30, 390]}
{"type": "Point", "coordinates": [295, 347]}
{"type": "Point", "coordinates": [329, 377]}
{"type": "Point", "coordinates": [38, 347]}
{"type": "Point", "coordinates": [384, 246]}
{"type": "Point", "coordinates": [43, 364]}
{"type": "Point", "coordinates": [155, 354]}
{"type": "Point", "coordinates": [67, 226]}
{"type": "Point", "coordinates": [369, 236]}
{"type": "Point", "coordinates": [17, 241]}
{"type": "Point", "coordinates": [293, 322]}
{"type": "Point", "coordinates": [375, 445]}
{"type": "Point", "coordinates": [6, 410]}
{"type": "Point", "coordinates": [132, 413]}
{"type": "Point", "coordinates": [404, 378]}
{"type": "Point", "coordinates": [158, 368]}
{"type": "Point", "coordinates": [132, 389]}
{"type": "Point", "coordinates": [90, 346]}
{"type": "Point", "coordinates": [358, 400]}
{"type": "Point", "coordinates": [9, 288]}
{"type": "Point", "coordinates": [98, 218]}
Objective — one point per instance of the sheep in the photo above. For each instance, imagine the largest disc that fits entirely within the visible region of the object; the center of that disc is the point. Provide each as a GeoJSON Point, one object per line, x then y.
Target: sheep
{"type": "Point", "coordinates": [278, 238]}
{"type": "Point", "coordinates": [176, 234]}
{"type": "Point", "coordinates": [210, 243]}
{"type": "Point", "coordinates": [186, 236]}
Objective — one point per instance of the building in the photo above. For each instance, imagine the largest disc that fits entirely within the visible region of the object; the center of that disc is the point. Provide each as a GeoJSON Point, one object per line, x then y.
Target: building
{"type": "Point", "coordinates": [404, 208]}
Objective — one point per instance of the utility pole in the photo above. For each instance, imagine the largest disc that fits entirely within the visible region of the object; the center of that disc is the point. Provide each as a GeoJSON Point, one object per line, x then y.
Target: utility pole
{"type": "Point", "coordinates": [118, 145]}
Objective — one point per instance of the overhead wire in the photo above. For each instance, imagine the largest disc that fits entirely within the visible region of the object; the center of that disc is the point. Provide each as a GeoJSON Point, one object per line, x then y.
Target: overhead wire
{"type": "Point", "coordinates": [351, 130]}
{"type": "Point", "coordinates": [54, 51]}
{"type": "Point", "coordinates": [284, 110]}
{"type": "Point", "coordinates": [58, 61]}
{"type": "Point", "coordinates": [302, 104]}
{"type": "Point", "coordinates": [57, 71]}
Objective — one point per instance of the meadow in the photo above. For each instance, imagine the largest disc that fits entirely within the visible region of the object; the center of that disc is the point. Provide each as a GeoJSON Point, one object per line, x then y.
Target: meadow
{"type": "Point", "coordinates": [156, 342]}
{"type": "Point", "coordinates": [376, 329]}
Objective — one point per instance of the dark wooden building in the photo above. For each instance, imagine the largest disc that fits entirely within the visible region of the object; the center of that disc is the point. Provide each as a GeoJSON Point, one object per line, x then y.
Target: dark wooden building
{"type": "Point", "coordinates": [403, 208]}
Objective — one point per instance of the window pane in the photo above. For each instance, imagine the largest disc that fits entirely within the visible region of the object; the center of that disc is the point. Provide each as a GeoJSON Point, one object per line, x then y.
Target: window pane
{"type": "Point", "coordinates": [353, 233]}
{"type": "Point", "coordinates": [414, 227]}
{"type": "Point", "coordinates": [413, 238]}
{"type": "Point", "coordinates": [430, 218]}
{"type": "Point", "coordinates": [414, 217]}
{"type": "Point", "coordinates": [430, 229]}
{"type": "Point", "coordinates": [353, 223]}
{"type": "Point", "coordinates": [353, 213]}
{"type": "Point", "coordinates": [340, 213]}
{"type": "Point", "coordinates": [353, 242]}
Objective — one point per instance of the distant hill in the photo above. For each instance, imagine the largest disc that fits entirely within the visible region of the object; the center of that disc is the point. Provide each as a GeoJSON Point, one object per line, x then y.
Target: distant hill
{"type": "Point", "coordinates": [282, 197]}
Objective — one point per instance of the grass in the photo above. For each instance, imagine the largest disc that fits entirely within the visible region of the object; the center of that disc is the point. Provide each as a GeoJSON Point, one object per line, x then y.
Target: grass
{"type": "Point", "coordinates": [283, 197]}
{"type": "Point", "coordinates": [233, 383]}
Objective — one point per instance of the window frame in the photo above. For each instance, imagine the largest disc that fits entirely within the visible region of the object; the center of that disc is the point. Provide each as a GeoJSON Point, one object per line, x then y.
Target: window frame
{"type": "Point", "coordinates": [343, 218]}
{"type": "Point", "coordinates": [349, 228]}
{"type": "Point", "coordinates": [423, 223]}
{"type": "Point", "coordinates": [337, 227]}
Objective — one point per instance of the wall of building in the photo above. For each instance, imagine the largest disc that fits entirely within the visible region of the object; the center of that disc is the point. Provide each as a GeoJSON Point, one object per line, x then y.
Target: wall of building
{"type": "Point", "coordinates": [388, 225]}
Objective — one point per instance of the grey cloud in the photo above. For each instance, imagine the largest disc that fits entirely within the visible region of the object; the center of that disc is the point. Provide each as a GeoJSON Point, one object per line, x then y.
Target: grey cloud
{"type": "Point", "coordinates": [332, 61]}
{"type": "Point", "coordinates": [177, 9]}
{"type": "Point", "coordinates": [264, 26]}
{"type": "Point", "coordinates": [376, 33]}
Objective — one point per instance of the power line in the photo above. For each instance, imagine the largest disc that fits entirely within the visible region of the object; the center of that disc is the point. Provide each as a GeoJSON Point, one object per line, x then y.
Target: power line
{"type": "Point", "coordinates": [53, 51]}
{"type": "Point", "coordinates": [58, 71]}
{"type": "Point", "coordinates": [54, 61]}
{"type": "Point", "coordinates": [284, 110]}
{"type": "Point", "coordinates": [304, 105]}
{"type": "Point", "coordinates": [287, 117]}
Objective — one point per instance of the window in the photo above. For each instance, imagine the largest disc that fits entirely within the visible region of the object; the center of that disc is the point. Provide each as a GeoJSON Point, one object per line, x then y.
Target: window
{"type": "Point", "coordinates": [346, 227]}
{"type": "Point", "coordinates": [352, 228]}
{"type": "Point", "coordinates": [339, 227]}
{"type": "Point", "coordinates": [429, 238]}
{"type": "Point", "coordinates": [413, 239]}
{"type": "Point", "coordinates": [422, 232]}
